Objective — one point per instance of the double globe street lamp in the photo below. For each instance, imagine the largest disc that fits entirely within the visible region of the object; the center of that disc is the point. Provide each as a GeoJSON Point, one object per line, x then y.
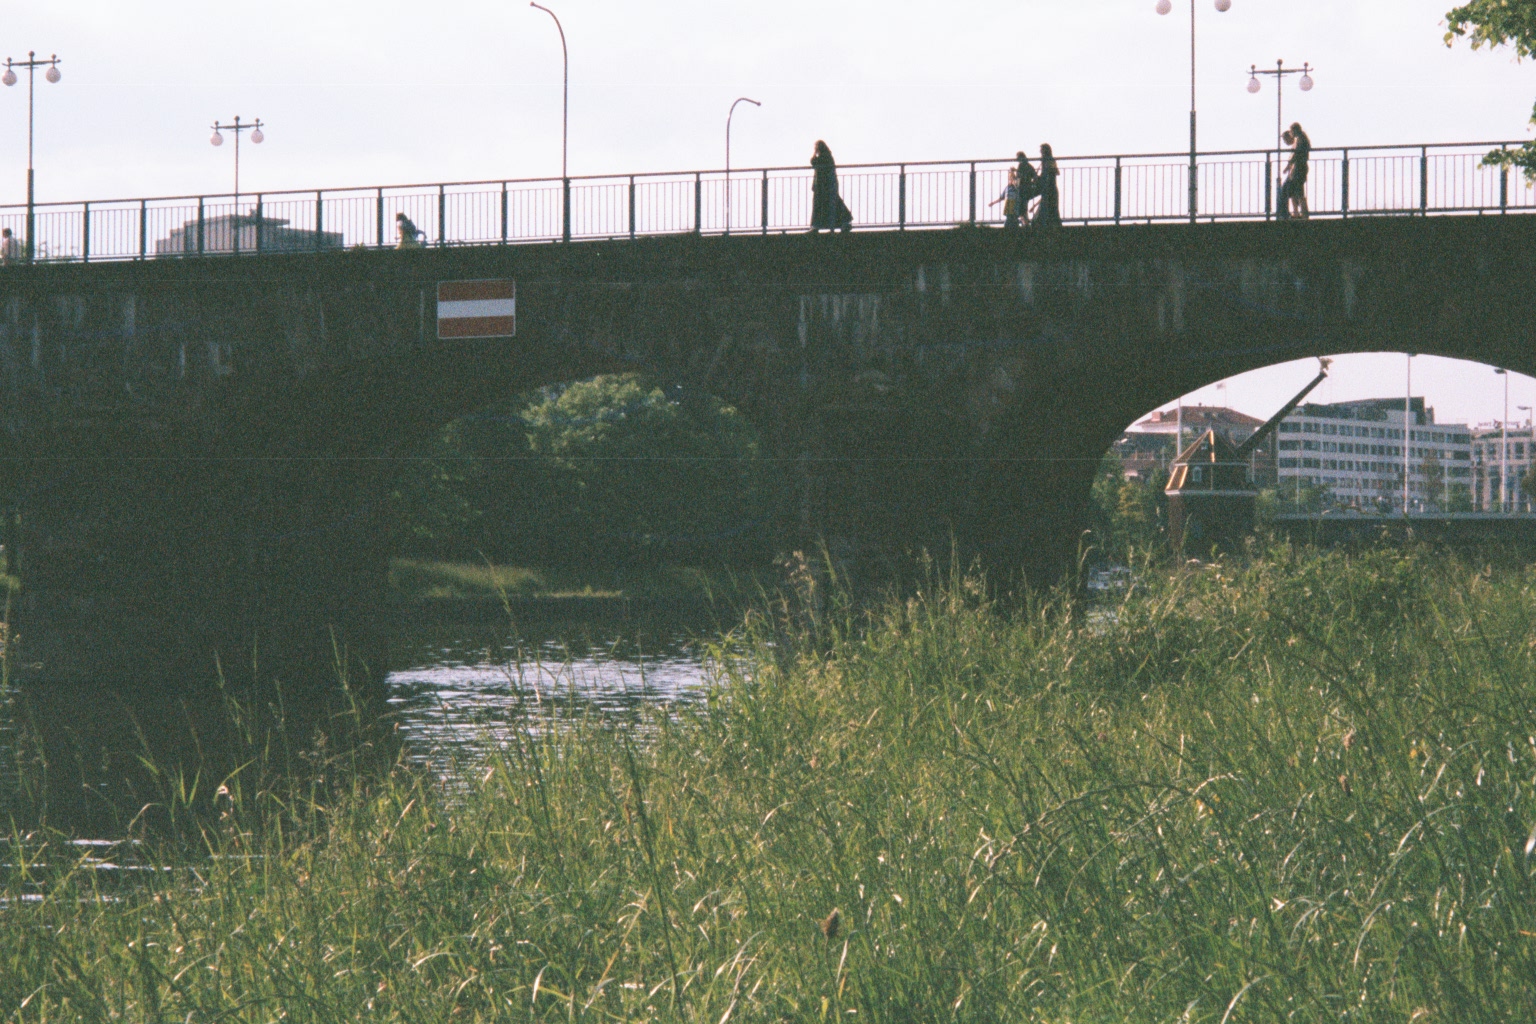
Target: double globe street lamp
{"type": "Point", "coordinates": [9, 78]}
{"type": "Point", "coordinates": [217, 139]}
{"type": "Point", "coordinates": [1279, 73]}
{"type": "Point", "coordinates": [1164, 7]}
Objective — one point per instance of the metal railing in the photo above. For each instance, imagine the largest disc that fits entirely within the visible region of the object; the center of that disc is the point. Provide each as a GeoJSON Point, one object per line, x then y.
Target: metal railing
{"type": "Point", "coordinates": [1362, 181]}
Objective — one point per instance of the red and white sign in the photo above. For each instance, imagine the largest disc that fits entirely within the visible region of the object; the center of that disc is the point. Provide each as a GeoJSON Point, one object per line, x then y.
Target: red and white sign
{"type": "Point", "coordinates": [476, 309]}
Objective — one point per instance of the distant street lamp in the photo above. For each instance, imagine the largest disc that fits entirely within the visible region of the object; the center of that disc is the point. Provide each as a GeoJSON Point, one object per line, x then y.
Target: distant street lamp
{"type": "Point", "coordinates": [1504, 447]}
{"type": "Point", "coordinates": [1407, 430]}
{"type": "Point", "coordinates": [1530, 448]}
{"type": "Point", "coordinates": [1305, 71]}
{"type": "Point", "coordinates": [565, 122]}
{"type": "Point", "coordinates": [216, 139]}
{"type": "Point", "coordinates": [9, 78]}
{"type": "Point", "coordinates": [739, 99]}
{"type": "Point", "coordinates": [1163, 7]}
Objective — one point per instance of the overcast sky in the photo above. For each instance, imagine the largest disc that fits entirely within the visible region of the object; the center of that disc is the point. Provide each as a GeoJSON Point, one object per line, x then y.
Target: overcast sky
{"type": "Point", "coordinates": [386, 91]}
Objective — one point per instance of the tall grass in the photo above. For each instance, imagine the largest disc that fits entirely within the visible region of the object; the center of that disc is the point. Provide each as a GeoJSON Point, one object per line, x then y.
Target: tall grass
{"type": "Point", "coordinates": [1296, 790]}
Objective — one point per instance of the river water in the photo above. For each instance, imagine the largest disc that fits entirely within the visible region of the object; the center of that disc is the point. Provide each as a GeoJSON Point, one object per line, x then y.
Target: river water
{"type": "Point", "coordinates": [461, 691]}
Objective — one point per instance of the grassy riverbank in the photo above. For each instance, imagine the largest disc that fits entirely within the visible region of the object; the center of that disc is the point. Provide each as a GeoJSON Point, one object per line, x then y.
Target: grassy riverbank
{"type": "Point", "coordinates": [1297, 791]}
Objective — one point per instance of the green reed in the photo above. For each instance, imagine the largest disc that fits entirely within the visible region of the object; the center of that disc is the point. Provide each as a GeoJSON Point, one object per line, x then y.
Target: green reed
{"type": "Point", "coordinates": [1299, 789]}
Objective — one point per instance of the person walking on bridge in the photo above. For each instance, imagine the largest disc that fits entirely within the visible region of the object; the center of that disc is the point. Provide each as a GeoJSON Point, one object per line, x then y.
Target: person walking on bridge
{"type": "Point", "coordinates": [1029, 185]}
{"type": "Point", "coordinates": [827, 207]}
{"type": "Point", "coordinates": [1010, 200]}
{"type": "Point", "coordinates": [10, 248]}
{"type": "Point", "coordinates": [410, 234]}
{"type": "Point", "coordinates": [1048, 215]}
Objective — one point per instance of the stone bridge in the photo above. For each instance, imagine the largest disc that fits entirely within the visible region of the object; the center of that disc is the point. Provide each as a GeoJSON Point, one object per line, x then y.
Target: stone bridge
{"type": "Point", "coordinates": [196, 450]}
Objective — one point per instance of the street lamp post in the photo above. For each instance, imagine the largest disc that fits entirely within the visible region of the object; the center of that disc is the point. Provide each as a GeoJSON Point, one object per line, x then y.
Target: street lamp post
{"type": "Point", "coordinates": [565, 126]}
{"type": "Point", "coordinates": [1163, 7]}
{"type": "Point", "coordinates": [1305, 71]}
{"type": "Point", "coordinates": [1530, 450]}
{"type": "Point", "coordinates": [217, 139]}
{"type": "Point", "coordinates": [1407, 430]}
{"type": "Point", "coordinates": [1504, 446]}
{"type": "Point", "coordinates": [739, 99]}
{"type": "Point", "coordinates": [9, 78]}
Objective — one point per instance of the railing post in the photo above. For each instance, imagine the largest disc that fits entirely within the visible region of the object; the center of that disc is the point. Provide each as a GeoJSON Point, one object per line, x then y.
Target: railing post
{"type": "Point", "coordinates": [379, 230]}
{"type": "Point", "coordinates": [698, 203]}
{"type": "Point", "coordinates": [503, 213]}
{"type": "Point", "coordinates": [1423, 181]}
{"type": "Point", "coordinates": [901, 205]}
{"type": "Point", "coordinates": [631, 206]}
{"type": "Point", "coordinates": [1117, 189]}
{"type": "Point", "coordinates": [442, 216]}
{"type": "Point", "coordinates": [200, 228]}
{"type": "Point", "coordinates": [143, 228]}
{"type": "Point", "coordinates": [1344, 188]}
{"type": "Point", "coordinates": [765, 200]}
{"type": "Point", "coordinates": [259, 218]}
{"type": "Point", "coordinates": [85, 236]}
{"type": "Point", "coordinates": [973, 193]}
{"type": "Point", "coordinates": [565, 215]}
{"type": "Point", "coordinates": [1269, 187]}
{"type": "Point", "coordinates": [319, 220]}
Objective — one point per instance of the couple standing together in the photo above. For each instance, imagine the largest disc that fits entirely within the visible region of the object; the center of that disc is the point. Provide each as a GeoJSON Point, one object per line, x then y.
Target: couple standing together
{"type": "Point", "coordinates": [1025, 184]}
{"type": "Point", "coordinates": [1293, 190]}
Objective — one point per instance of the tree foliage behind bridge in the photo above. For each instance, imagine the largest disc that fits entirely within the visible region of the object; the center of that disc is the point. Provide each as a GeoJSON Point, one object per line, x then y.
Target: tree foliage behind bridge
{"type": "Point", "coordinates": [603, 468]}
{"type": "Point", "coordinates": [1500, 23]}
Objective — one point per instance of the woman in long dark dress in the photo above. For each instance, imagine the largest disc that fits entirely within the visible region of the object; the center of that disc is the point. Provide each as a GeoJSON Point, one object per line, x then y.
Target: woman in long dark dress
{"type": "Point", "coordinates": [1048, 213]}
{"type": "Point", "coordinates": [827, 209]}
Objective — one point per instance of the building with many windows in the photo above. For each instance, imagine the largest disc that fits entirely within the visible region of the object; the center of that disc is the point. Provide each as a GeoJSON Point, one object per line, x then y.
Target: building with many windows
{"type": "Point", "coordinates": [1353, 452]}
{"type": "Point", "coordinates": [1489, 460]}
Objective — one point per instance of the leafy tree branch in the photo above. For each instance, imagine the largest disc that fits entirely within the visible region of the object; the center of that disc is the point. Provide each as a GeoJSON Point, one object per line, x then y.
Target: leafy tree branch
{"type": "Point", "coordinates": [1499, 23]}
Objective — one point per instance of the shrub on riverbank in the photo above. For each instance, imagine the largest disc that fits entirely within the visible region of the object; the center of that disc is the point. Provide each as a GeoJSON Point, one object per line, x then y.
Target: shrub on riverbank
{"type": "Point", "coordinates": [1298, 790]}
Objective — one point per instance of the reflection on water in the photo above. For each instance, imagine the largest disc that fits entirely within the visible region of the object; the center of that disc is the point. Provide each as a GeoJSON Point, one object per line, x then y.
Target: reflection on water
{"type": "Point", "coordinates": [466, 690]}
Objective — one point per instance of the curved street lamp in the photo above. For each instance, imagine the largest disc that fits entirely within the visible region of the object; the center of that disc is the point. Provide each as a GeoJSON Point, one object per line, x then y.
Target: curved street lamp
{"type": "Point", "coordinates": [9, 78]}
{"type": "Point", "coordinates": [1164, 7]}
{"type": "Point", "coordinates": [565, 123]}
{"type": "Point", "coordinates": [739, 99]}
